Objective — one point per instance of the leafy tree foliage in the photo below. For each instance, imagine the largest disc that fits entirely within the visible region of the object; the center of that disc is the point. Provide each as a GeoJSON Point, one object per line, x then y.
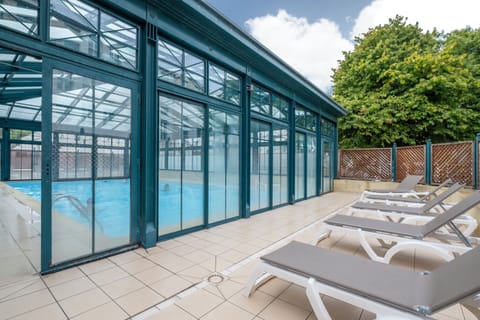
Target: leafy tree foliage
{"type": "Point", "coordinates": [403, 85]}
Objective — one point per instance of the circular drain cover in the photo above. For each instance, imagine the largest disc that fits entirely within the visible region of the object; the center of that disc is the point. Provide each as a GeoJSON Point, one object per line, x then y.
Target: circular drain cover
{"type": "Point", "coordinates": [215, 278]}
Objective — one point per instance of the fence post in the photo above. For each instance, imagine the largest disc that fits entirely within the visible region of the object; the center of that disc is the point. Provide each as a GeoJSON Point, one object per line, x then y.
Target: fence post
{"type": "Point", "coordinates": [394, 162]}
{"type": "Point", "coordinates": [475, 160]}
{"type": "Point", "coordinates": [428, 162]}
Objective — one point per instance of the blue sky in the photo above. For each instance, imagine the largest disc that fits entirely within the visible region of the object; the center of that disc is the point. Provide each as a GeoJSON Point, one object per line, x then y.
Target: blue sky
{"type": "Point", "coordinates": [311, 35]}
{"type": "Point", "coordinates": [343, 12]}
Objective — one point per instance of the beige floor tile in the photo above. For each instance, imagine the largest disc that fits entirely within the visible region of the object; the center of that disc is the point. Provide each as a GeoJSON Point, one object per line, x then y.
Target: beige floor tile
{"type": "Point", "coordinates": [274, 287]}
{"type": "Point", "coordinates": [137, 266]}
{"type": "Point", "coordinates": [125, 257]}
{"type": "Point", "coordinates": [254, 304]}
{"type": "Point", "coordinates": [226, 289]}
{"type": "Point", "coordinates": [169, 244]}
{"type": "Point", "coordinates": [296, 295]}
{"type": "Point", "coordinates": [83, 302]}
{"type": "Point", "coordinates": [62, 276]}
{"type": "Point", "coordinates": [194, 274]}
{"type": "Point", "coordinates": [233, 255]}
{"type": "Point", "coordinates": [50, 312]}
{"type": "Point", "coordinates": [199, 303]}
{"type": "Point", "coordinates": [153, 275]}
{"type": "Point", "coordinates": [122, 287]}
{"type": "Point", "coordinates": [108, 311]}
{"type": "Point", "coordinates": [198, 256]}
{"type": "Point", "coordinates": [341, 310]}
{"type": "Point", "coordinates": [216, 264]}
{"type": "Point", "coordinates": [280, 310]}
{"type": "Point", "coordinates": [71, 288]}
{"type": "Point", "coordinates": [96, 266]}
{"type": "Point", "coordinates": [26, 303]}
{"type": "Point", "coordinates": [229, 310]}
{"type": "Point", "coordinates": [171, 262]}
{"type": "Point", "coordinates": [21, 288]}
{"type": "Point", "coordinates": [468, 315]}
{"type": "Point", "coordinates": [139, 300]}
{"type": "Point", "coordinates": [105, 277]}
{"type": "Point", "coordinates": [453, 312]}
{"type": "Point", "coordinates": [367, 315]}
{"type": "Point", "coordinates": [216, 249]}
{"type": "Point", "coordinates": [183, 250]}
{"type": "Point", "coordinates": [170, 286]}
{"type": "Point", "coordinates": [172, 312]}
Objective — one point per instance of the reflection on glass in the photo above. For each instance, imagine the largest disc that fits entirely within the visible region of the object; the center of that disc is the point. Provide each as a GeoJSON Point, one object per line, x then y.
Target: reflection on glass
{"type": "Point", "coordinates": [223, 188]}
{"type": "Point", "coordinates": [180, 177]}
{"type": "Point", "coordinates": [89, 215]}
{"type": "Point", "coordinates": [20, 15]}
{"type": "Point", "coordinates": [299, 166]}
{"type": "Point", "coordinates": [327, 166]}
{"type": "Point", "coordinates": [260, 100]}
{"type": "Point", "coordinates": [311, 166]}
{"type": "Point", "coordinates": [280, 166]}
{"type": "Point", "coordinates": [259, 165]}
{"type": "Point", "coordinates": [279, 107]}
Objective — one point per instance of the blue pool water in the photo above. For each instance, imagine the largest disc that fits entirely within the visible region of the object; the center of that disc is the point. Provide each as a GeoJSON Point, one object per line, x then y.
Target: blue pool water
{"type": "Point", "coordinates": [112, 203]}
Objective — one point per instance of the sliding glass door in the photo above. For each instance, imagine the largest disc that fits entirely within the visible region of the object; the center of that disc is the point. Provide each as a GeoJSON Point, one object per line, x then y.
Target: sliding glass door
{"type": "Point", "coordinates": [181, 165]}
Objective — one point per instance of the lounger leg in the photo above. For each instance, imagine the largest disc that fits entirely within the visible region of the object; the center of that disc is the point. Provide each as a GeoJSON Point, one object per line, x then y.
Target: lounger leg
{"type": "Point", "coordinates": [368, 248]}
{"type": "Point", "coordinates": [258, 277]}
{"type": "Point", "coordinates": [323, 233]}
{"type": "Point", "coordinates": [316, 302]}
{"type": "Point", "coordinates": [443, 253]}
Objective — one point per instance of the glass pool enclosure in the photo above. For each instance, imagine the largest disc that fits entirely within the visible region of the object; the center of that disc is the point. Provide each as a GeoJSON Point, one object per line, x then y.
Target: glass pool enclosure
{"type": "Point", "coordinates": [130, 122]}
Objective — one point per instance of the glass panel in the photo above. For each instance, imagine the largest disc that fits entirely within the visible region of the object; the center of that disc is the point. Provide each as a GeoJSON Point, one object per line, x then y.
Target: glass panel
{"type": "Point", "coordinates": [299, 166]}
{"type": "Point", "coordinates": [73, 24]}
{"type": "Point", "coordinates": [20, 15]}
{"type": "Point", "coordinates": [327, 166]}
{"type": "Point", "coordinates": [311, 166]}
{"type": "Point", "coordinates": [223, 85]}
{"type": "Point", "coordinates": [194, 73]}
{"type": "Point", "coordinates": [328, 128]}
{"type": "Point", "coordinates": [89, 215]}
{"type": "Point", "coordinates": [223, 166]}
{"type": "Point", "coordinates": [259, 165]}
{"type": "Point", "coordinates": [181, 170]}
{"type": "Point", "coordinates": [310, 121]}
{"type": "Point", "coordinates": [300, 117]}
{"type": "Point", "coordinates": [280, 166]}
{"type": "Point", "coordinates": [118, 42]}
{"type": "Point", "coordinates": [279, 108]}
{"type": "Point", "coordinates": [260, 101]}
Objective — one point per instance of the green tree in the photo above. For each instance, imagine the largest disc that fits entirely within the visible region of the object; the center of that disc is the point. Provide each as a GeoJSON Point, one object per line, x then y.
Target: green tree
{"type": "Point", "coordinates": [403, 85]}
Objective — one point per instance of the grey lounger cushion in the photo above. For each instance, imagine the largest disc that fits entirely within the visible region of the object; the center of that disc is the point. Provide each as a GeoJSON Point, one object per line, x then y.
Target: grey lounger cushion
{"type": "Point", "coordinates": [407, 185]}
{"type": "Point", "coordinates": [415, 292]}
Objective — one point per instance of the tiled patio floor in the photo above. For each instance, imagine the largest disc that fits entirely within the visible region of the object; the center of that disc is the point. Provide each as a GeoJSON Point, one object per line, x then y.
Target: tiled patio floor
{"type": "Point", "coordinates": [169, 281]}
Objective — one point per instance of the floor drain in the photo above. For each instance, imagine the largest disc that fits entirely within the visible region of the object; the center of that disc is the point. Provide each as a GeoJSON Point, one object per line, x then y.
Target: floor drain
{"type": "Point", "coordinates": [215, 278]}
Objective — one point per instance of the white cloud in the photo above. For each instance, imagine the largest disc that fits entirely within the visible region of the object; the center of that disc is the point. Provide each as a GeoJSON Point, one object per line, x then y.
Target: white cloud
{"type": "Point", "coordinates": [445, 15]}
{"type": "Point", "coordinates": [313, 49]}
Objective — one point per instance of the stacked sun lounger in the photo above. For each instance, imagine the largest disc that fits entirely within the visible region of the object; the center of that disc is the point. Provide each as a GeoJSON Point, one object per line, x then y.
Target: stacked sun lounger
{"type": "Point", "coordinates": [389, 291]}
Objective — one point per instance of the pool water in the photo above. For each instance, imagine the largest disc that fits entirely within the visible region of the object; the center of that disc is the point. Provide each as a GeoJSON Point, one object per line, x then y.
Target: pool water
{"type": "Point", "coordinates": [112, 203]}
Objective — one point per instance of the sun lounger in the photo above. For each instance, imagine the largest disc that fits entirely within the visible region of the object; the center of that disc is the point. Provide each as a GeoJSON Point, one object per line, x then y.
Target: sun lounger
{"type": "Point", "coordinates": [406, 188]}
{"type": "Point", "coordinates": [389, 291]}
{"type": "Point", "coordinates": [409, 214]}
{"type": "Point", "coordinates": [399, 200]}
{"type": "Point", "coordinates": [403, 236]}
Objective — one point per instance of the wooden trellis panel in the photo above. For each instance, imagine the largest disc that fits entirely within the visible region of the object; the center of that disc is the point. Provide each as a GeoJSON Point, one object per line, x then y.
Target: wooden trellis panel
{"type": "Point", "coordinates": [366, 164]}
{"type": "Point", "coordinates": [454, 161]}
{"type": "Point", "coordinates": [410, 161]}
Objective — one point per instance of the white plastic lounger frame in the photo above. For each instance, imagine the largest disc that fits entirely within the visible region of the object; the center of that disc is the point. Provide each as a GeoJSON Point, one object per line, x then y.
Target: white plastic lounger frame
{"type": "Point", "coordinates": [406, 188]}
{"type": "Point", "coordinates": [396, 237]}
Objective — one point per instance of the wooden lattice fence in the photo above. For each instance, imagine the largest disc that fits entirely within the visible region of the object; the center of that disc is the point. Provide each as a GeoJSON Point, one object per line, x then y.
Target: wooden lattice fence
{"type": "Point", "coordinates": [436, 162]}
{"type": "Point", "coordinates": [366, 164]}
{"type": "Point", "coordinates": [454, 161]}
{"type": "Point", "coordinates": [410, 161]}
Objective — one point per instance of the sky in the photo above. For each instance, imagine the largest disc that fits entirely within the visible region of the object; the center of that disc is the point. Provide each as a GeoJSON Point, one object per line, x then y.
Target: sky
{"type": "Point", "coordinates": [311, 35]}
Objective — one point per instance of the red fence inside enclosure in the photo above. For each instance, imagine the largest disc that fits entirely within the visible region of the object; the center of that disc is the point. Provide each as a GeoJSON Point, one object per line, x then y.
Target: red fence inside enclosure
{"type": "Point", "coordinates": [410, 161]}
{"type": "Point", "coordinates": [452, 160]}
{"type": "Point", "coordinates": [366, 164]}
